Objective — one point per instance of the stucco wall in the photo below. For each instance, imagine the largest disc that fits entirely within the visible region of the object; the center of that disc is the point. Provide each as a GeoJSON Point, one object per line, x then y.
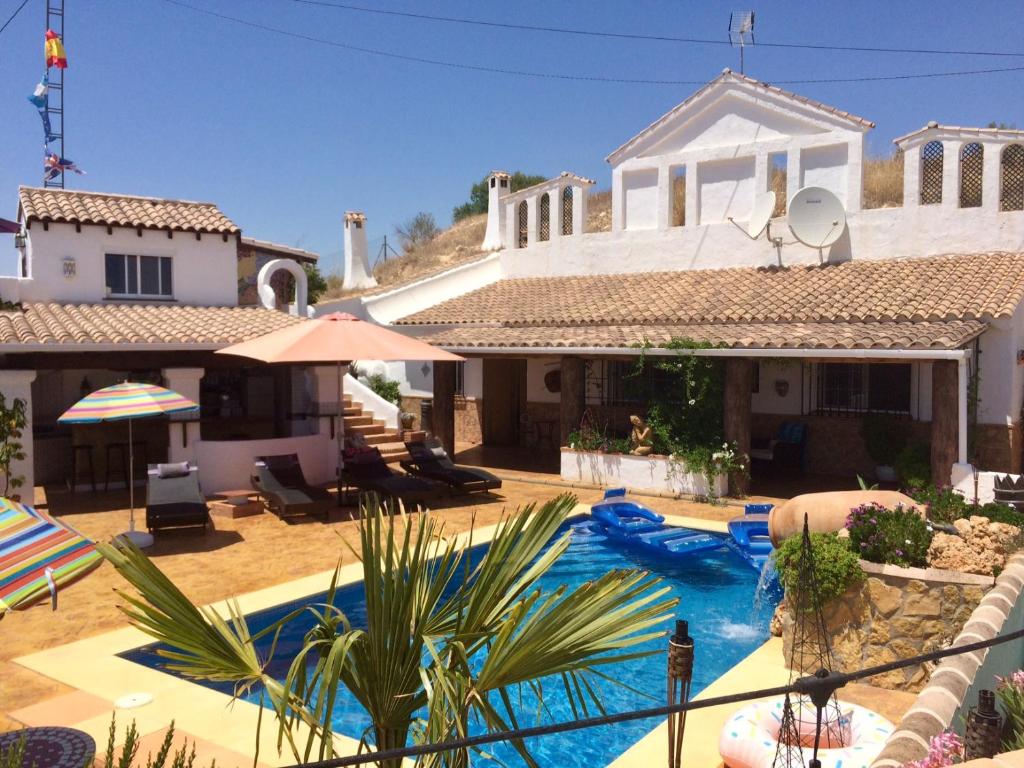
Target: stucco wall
{"type": "Point", "coordinates": [205, 271]}
{"type": "Point", "coordinates": [641, 473]}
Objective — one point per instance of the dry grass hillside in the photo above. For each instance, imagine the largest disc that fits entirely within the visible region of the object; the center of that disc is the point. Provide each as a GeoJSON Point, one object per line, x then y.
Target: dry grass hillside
{"type": "Point", "coordinates": [460, 243]}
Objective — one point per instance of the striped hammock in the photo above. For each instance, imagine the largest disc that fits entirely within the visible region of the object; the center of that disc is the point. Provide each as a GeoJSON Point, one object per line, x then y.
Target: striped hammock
{"type": "Point", "coordinates": [38, 554]}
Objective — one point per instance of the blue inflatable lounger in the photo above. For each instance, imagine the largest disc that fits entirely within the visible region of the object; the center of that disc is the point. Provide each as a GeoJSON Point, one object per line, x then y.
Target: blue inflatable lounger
{"type": "Point", "coordinates": [750, 534]}
{"type": "Point", "coordinates": [632, 522]}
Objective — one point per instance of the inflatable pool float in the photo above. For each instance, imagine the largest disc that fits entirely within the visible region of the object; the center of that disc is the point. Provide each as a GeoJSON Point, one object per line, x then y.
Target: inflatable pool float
{"type": "Point", "coordinates": [749, 738]}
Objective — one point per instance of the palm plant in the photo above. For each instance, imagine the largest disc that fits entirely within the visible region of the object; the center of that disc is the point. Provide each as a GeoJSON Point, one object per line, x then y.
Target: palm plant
{"type": "Point", "coordinates": [447, 641]}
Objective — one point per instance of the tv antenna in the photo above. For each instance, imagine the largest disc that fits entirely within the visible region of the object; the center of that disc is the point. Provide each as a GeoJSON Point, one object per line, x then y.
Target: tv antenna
{"type": "Point", "coordinates": [741, 31]}
{"type": "Point", "coordinates": [382, 252]}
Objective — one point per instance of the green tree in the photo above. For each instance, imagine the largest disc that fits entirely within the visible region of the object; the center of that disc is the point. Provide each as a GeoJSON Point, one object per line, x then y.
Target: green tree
{"type": "Point", "coordinates": [315, 281]}
{"type": "Point", "coordinates": [12, 424]}
{"type": "Point", "coordinates": [478, 194]}
{"type": "Point", "coordinates": [443, 636]}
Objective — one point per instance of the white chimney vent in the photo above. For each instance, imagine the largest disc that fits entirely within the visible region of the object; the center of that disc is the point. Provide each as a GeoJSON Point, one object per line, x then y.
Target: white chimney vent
{"type": "Point", "coordinates": [499, 184]}
{"type": "Point", "coordinates": [357, 262]}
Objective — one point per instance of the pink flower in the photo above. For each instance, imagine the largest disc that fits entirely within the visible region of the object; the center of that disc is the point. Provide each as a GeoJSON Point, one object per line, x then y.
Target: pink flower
{"type": "Point", "coordinates": [1016, 680]}
{"type": "Point", "coordinates": [945, 749]}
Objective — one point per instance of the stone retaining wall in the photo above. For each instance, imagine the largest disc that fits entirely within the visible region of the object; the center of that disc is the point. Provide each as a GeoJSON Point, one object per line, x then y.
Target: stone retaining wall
{"type": "Point", "coordinates": [899, 612]}
{"type": "Point", "coordinates": [948, 692]}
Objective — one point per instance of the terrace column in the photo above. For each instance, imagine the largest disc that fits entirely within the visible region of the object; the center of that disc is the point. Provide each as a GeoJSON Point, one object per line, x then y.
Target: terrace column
{"type": "Point", "coordinates": [555, 203]}
{"type": "Point", "coordinates": [945, 418]}
{"type": "Point", "coordinates": [183, 436]}
{"type": "Point", "coordinates": [17, 385]}
{"type": "Point", "coordinates": [443, 413]}
{"type": "Point", "coordinates": [579, 209]}
{"type": "Point", "coordinates": [739, 386]}
{"type": "Point", "coordinates": [573, 396]}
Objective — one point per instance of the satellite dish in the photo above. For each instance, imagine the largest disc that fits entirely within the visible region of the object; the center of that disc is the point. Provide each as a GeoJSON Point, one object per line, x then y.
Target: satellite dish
{"type": "Point", "coordinates": [761, 214]}
{"type": "Point", "coordinates": [816, 217]}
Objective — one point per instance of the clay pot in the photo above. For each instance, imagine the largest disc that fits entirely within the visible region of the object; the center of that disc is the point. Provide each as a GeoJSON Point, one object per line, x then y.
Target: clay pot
{"type": "Point", "coordinates": [827, 512]}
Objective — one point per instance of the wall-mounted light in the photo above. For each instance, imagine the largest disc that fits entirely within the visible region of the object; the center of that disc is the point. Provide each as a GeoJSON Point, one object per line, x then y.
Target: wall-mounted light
{"type": "Point", "coordinates": [781, 387]}
{"type": "Point", "coordinates": [20, 240]}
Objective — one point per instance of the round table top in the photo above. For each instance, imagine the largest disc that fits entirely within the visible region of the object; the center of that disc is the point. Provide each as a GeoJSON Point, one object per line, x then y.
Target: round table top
{"type": "Point", "coordinates": [52, 746]}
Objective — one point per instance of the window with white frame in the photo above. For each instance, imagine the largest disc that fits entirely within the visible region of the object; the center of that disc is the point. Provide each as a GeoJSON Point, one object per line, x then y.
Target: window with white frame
{"type": "Point", "coordinates": [139, 276]}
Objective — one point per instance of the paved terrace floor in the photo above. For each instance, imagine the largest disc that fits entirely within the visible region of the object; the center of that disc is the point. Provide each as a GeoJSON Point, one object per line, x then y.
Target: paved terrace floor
{"type": "Point", "coordinates": [236, 557]}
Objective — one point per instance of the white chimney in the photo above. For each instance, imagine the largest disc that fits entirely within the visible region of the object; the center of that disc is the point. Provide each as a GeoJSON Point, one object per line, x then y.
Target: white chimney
{"type": "Point", "coordinates": [498, 186]}
{"type": "Point", "coordinates": [357, 263]}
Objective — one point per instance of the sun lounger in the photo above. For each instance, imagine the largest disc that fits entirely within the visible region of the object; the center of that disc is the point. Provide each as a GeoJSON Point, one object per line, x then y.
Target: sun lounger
{"type": "Point", "coordinates": [367, 471]}
{"type": "Point", "coordinates": [282, 486]}
{"type": "Point", "coordinates": [173, 498]}
{"type": "Point", "coordinates": [433, 463]}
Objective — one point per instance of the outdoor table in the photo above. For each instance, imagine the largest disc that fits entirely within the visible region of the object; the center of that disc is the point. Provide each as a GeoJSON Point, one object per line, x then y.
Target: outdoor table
{"type": "Point", "coordinates": [234, 503]}
{"type": "Point", "coordinates": [53, 747]}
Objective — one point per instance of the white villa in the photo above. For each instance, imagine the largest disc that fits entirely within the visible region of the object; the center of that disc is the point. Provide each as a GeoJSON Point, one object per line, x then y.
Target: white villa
{"type": "Point", "coordinates": [898, 315]}
{"type": "Point", "coordinates": [112, 287]}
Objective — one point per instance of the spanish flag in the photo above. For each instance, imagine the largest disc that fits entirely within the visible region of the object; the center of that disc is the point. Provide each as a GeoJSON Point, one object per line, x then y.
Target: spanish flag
{"type": "Point", "coordinates": [55, 55]}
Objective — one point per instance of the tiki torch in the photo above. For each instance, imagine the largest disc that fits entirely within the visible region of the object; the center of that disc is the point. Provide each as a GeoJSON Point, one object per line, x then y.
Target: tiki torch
{"type": "Point", "coordinates": [680, 675]}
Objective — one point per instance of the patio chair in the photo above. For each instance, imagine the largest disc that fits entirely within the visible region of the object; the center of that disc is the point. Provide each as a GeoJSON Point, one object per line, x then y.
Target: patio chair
{"type": "Point", "coordinates": [173, 498]}
{"type": "Point", "coordinates": [368, 472]}
{"type": "Point", "coordinates": [432, 462]}
{"type": "Point", "coordinates": [786, 451]}
{"type": "Point", "coordinates": [284, 490]}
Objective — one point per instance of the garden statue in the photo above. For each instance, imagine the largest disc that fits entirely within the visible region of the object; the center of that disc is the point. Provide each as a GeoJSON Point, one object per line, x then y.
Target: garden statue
{"type": "Point", "coordinates": [640, 438]}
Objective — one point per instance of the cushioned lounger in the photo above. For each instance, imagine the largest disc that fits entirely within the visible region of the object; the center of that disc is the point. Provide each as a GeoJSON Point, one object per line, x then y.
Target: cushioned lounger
{"type": "Point", "coordinates": [279, 480]}
{"type": "Point", "coordinates": [368, 471]}
{"type": "Point", "coordinates": [434, 464]}
{"type": "Point", "coordinates": [173, 497]}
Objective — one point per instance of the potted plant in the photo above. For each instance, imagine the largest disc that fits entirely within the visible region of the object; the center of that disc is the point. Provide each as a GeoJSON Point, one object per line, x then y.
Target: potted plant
{"type": "Point", "coordinates": [408, 420]}
{"type": "Point", "coordinates": [883, 440]}
{"type": "Point", "coordinates": [12, 422]}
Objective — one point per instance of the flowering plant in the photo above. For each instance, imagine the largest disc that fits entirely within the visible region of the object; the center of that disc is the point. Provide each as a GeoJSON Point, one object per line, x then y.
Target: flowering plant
{"type": "Point", "coordinates": [898, 536]}
{"type": "Point", "coordinates": [1010, 691]}
{"type": "Point", "coordinates": [945, 748]}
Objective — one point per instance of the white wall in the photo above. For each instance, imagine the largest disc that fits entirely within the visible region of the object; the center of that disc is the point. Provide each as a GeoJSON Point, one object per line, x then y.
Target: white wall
{"type": "Point", "coordinates": [641, 198]}
{"type": "Point", "coordinates": [205, 272]}
{"type": "Point", "coordinates": [826, 167]}
{"type": "Point", "coordinates": [767, 399]}
{"type": "Point", "coordinates": [726, 189]}
{"type": "Point", "coordinates": [227, 465]}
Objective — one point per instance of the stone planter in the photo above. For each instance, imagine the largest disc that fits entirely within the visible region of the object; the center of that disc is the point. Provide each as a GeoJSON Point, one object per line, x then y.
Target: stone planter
{"type": "Point", "coordinates": [896, 613]}
{"type": "Point", "coordinates": [642, 473]}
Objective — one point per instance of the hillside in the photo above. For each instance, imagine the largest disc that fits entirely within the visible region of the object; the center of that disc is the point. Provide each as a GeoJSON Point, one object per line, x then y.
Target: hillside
{"type": "Point", "coordinates": [883, 188]}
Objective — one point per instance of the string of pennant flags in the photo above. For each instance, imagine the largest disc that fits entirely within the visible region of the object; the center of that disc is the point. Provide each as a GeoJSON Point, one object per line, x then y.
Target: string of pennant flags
{"type": "Point", "coordinates": [53, 164]}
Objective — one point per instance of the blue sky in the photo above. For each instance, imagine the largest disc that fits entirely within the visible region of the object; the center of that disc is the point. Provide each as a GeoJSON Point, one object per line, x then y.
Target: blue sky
{"type": "Point", "coordinates": [285, 134]}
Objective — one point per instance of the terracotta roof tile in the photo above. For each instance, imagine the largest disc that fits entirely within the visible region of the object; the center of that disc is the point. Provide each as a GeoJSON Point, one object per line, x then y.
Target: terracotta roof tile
{"type": "Point", "coordinates": [74, 207]}
{"type": "Point", "coordinates": [891, 335]}
{"type": "Point", "coordinates": [964, 287]}
{"type": "Point", "coordinates": [71, 324]}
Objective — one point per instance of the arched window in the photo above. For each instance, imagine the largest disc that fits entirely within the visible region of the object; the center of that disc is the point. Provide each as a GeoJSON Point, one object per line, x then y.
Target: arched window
{"type": "Point", "coordinates": [1011, 181]}
{"type": "Point", "coordinates": [972, 163]}
{"type": "Point", "coordinates": [544, 225]}
{"type": "Point", "coordinates": [567, 210]}
{"type": "Point", "coordinates": [931, 173]}
{"type": "Point", "coordinates": [524, 217]}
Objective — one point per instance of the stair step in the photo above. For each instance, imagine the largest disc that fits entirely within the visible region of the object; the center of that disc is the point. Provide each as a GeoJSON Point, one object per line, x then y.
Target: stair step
{"type": "Point", "coordinates": [359, 420]}
{"type": "Point", "coordinates": [353, 411]}
{"type": "Point", "coordinates": [381, 438]}
{"type": "Point", "coordinates": [365, 429]}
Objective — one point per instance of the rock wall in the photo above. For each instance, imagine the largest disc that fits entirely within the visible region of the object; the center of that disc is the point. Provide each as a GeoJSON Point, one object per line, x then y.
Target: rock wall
{"type": "Point", "coordinates": [893, 614]}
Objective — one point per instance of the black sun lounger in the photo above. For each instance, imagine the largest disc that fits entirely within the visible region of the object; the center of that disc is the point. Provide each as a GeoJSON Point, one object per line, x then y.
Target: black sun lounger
{"type": "Point", "coordinates": [433, 463]}
{"type": "Point", "coordinates": [368, 471]}
{"type": "Point", "coordinates": [173, 497]}
{"type": "Point", "coordinates": [283, 487]}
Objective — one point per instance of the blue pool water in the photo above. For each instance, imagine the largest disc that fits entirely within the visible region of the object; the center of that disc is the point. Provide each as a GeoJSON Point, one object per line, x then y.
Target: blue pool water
{"type": "Point", "coordinates": [716, 594]}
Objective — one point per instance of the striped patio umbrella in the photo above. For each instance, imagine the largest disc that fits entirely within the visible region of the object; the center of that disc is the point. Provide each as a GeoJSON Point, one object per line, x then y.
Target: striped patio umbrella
{"type": "Point", "coordinates": [128, 401]}
{"type": "Point", "coordinates": [38, 554]}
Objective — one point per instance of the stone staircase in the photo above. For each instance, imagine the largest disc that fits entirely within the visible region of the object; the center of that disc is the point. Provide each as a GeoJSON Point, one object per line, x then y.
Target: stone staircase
{"type": "Point", "coordinates": [388, 441]}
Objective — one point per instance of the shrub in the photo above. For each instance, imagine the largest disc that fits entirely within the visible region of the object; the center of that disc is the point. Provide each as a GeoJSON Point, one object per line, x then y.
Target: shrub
{"type": "Point", "coordinates": [12, 423]}
{"type": "Point", "coordinates": [913, 465]}
{"type": "Point", "coordinates": [835, 565]}
{"type": "Point", "coordinates": [883, 438]}
{"type": "Point", "coordinates": [417, 231]}
{"type": "Point", "coordinates": [1010, 691]}
{"type": "Point", "coordinates": [386, 388]}
{"type": "Point", "coordinates": [895, 536]}
{"type": "Point", "coordinates": [997, 512]}
{"type": "Point", "coordinates": [944, 505]}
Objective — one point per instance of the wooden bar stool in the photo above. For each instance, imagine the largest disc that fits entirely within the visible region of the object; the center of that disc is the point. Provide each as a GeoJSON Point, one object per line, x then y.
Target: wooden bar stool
{"type": "Point", "coordinates": [81, 455]}
{"type": "Point", "coordinates": [120, 451]}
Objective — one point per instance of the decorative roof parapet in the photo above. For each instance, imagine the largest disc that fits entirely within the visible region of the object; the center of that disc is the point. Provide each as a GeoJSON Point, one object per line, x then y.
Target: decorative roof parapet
{"type": "Point", "coordinates": [934, 130]}
{"type": "Point", "coordinates": [564, 179]}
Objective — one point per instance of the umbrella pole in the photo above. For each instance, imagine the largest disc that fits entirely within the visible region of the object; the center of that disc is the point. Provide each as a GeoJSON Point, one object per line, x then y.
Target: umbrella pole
{"type": "Point", "coordinates": [339, 433]}
{"type": "Point", "coordinates": [131, 479]}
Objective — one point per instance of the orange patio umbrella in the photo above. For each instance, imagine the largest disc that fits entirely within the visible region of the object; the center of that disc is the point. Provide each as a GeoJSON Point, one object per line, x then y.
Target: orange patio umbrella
{"type": "Point", "coordinates": [337, 338]}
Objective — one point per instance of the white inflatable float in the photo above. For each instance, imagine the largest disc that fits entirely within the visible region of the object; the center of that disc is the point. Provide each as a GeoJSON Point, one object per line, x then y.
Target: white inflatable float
{"type": "Point", "coordinates": [749, 738]}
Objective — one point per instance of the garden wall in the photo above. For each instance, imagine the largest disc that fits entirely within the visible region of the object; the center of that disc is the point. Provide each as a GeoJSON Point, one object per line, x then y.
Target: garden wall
{"type": "Point", "coordinates": [641, 473]}
{"type": "Point", "coordinates": [899, 612]}
{"type": "Point", "coordinates": [952, 688]}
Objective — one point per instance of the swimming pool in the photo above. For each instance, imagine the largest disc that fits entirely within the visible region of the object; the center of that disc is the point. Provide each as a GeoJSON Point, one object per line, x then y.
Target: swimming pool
{"type": "Point", "coordinates": [716, 594]}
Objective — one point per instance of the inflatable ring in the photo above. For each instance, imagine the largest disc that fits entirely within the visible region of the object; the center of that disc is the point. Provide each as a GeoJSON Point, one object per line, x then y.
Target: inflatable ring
{"type": "Point", "coordinates": [749, 738]}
